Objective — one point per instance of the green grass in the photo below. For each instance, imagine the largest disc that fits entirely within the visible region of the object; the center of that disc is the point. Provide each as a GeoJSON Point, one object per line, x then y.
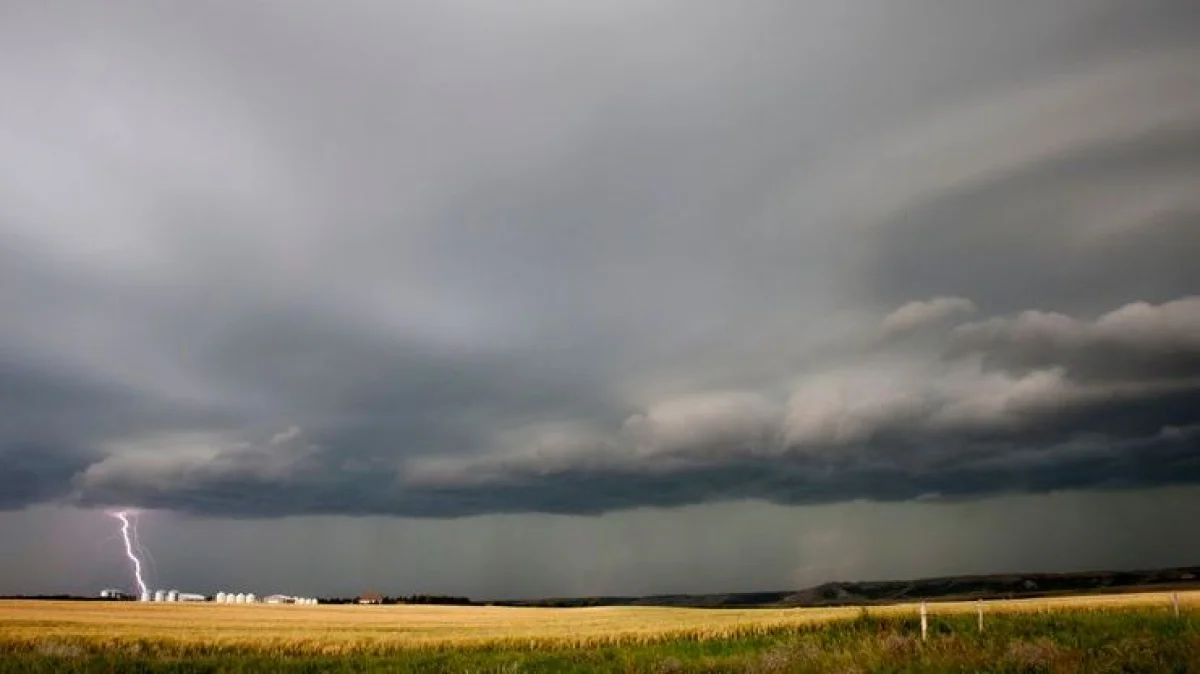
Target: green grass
{"type": "Point", "coordinates": [1108, 640]}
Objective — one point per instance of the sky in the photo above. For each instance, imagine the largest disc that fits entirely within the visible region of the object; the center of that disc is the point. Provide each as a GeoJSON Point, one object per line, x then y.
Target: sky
{"type": "Point", "coordinates": [537, 298]}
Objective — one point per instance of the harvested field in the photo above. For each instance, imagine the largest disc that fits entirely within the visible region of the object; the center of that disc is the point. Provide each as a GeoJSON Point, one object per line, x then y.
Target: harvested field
{"type": "Point", "coordinates": [190, 635]}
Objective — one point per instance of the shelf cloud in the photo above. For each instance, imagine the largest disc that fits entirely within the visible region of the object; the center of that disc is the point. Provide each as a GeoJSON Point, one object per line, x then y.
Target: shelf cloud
{"type": "Point", "coordinates": [268, 260]}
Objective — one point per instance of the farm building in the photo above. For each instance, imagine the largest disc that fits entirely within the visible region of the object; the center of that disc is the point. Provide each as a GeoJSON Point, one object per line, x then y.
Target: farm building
{"type": "Point", "coordinates": [370, 598]}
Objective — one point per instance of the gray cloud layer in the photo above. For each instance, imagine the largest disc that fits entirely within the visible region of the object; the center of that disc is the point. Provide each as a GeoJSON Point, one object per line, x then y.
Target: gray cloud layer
{"type": "Point", "coordinates": [270, 260]}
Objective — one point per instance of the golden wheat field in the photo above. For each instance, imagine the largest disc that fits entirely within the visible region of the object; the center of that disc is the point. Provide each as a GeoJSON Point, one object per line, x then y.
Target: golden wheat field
{"type": "Point", "coordinates": [354, 628]}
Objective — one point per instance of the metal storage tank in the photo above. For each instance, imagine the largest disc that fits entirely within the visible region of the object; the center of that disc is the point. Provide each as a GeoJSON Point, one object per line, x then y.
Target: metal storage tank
{"type": "Point", "coordinates": [159, 595]}
{"type": "Point", "coordinates": [220, 597]}
{"type": "Point", "coordinates": [173, 595]}
{"type": "Point", "coordinates": [251, 598]}
{"type": "Point", "coordinates": [145, 596]}
{"type": "Point", "coordinates": [239, 598]}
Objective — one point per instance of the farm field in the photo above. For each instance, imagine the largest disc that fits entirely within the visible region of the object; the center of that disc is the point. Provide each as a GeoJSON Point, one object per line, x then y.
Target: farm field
{"type": "Point", "coordinates": [1128, 632]}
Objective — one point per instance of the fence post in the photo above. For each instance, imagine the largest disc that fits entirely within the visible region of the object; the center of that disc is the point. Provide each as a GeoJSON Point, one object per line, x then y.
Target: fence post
{"type": "Point", "coordinates": [979, 610]}
{"type": "Point", "coordinates": [1175, 602]}
{"type": "Point", "coordinates": [924, 622]}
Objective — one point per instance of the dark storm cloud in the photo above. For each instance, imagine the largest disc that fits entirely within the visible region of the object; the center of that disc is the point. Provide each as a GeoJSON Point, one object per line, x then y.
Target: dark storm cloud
{"type": "Point", "coordinates": [36, 473]}
{"type": "Point", "coordinates": [1034, 434]}
{"type": "Point", "coordinates": [1094, 227]}
{"type": "Point", "coordinates": [918, 314]}
{"type": "Point", "coordinates": [894, 466]}
{"type": "Point", "coordinates": [53, 419]}
{"type": "Point", "coordinates": [481, 258]}
{"type": "Point", "coordinates": [1139, 341]}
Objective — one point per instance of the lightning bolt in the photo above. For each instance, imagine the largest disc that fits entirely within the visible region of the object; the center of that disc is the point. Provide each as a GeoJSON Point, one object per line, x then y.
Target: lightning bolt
{"type": "Point", "coordinates": [137, 563]}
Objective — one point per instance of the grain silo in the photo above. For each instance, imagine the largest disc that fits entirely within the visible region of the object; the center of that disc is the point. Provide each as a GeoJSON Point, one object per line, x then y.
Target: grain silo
{"type": "Point", "coordinates": [159, 595]}
{"type": "Point", "coordinates": [173, 595]}
{"type": "Point", "coordinates": [251, 598]}
{"type": "Point", "coordinates": [239, 598]}
{"type": "Point", "coordinates": [221, 597]}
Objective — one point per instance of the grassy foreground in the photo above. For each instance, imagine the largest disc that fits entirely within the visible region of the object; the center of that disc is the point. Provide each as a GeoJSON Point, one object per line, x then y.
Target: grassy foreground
{"type": "Point", "coordinates": [1129, 633]}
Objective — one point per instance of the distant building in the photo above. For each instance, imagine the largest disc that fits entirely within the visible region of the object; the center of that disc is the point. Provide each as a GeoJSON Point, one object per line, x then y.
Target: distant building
{"type": "Point", "coordinates": [370, 598]}
{"type": "Point", "coordinates": [112, 593]}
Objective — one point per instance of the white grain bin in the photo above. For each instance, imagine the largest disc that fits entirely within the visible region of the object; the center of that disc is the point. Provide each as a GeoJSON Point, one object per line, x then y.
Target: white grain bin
{"type": "Point", "coordinates": [145, 596]}
{"type": "Point", "coordinates": [159, 595]}
{"type": "Point", "coordinates": [239, 598]}
{"type": "Point", "coordinates": [173, 595]}
{"type": "Point", "coordinates": [220, 598]}
{"type": "Point", "coordinates": [251, 598]}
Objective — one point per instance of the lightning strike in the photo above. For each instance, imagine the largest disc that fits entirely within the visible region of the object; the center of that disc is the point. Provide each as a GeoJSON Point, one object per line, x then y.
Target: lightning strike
{"type": "Point", "coordinates": [123, 516]}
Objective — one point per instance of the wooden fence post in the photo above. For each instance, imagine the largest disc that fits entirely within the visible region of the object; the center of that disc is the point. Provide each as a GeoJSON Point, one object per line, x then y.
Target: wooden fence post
{"type": "Point", "coordinates": [924, 622]}
{"type": "Point", "coordinates": [1175, 602]}
{"type": "Point", "coordinates": [979, 609]}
